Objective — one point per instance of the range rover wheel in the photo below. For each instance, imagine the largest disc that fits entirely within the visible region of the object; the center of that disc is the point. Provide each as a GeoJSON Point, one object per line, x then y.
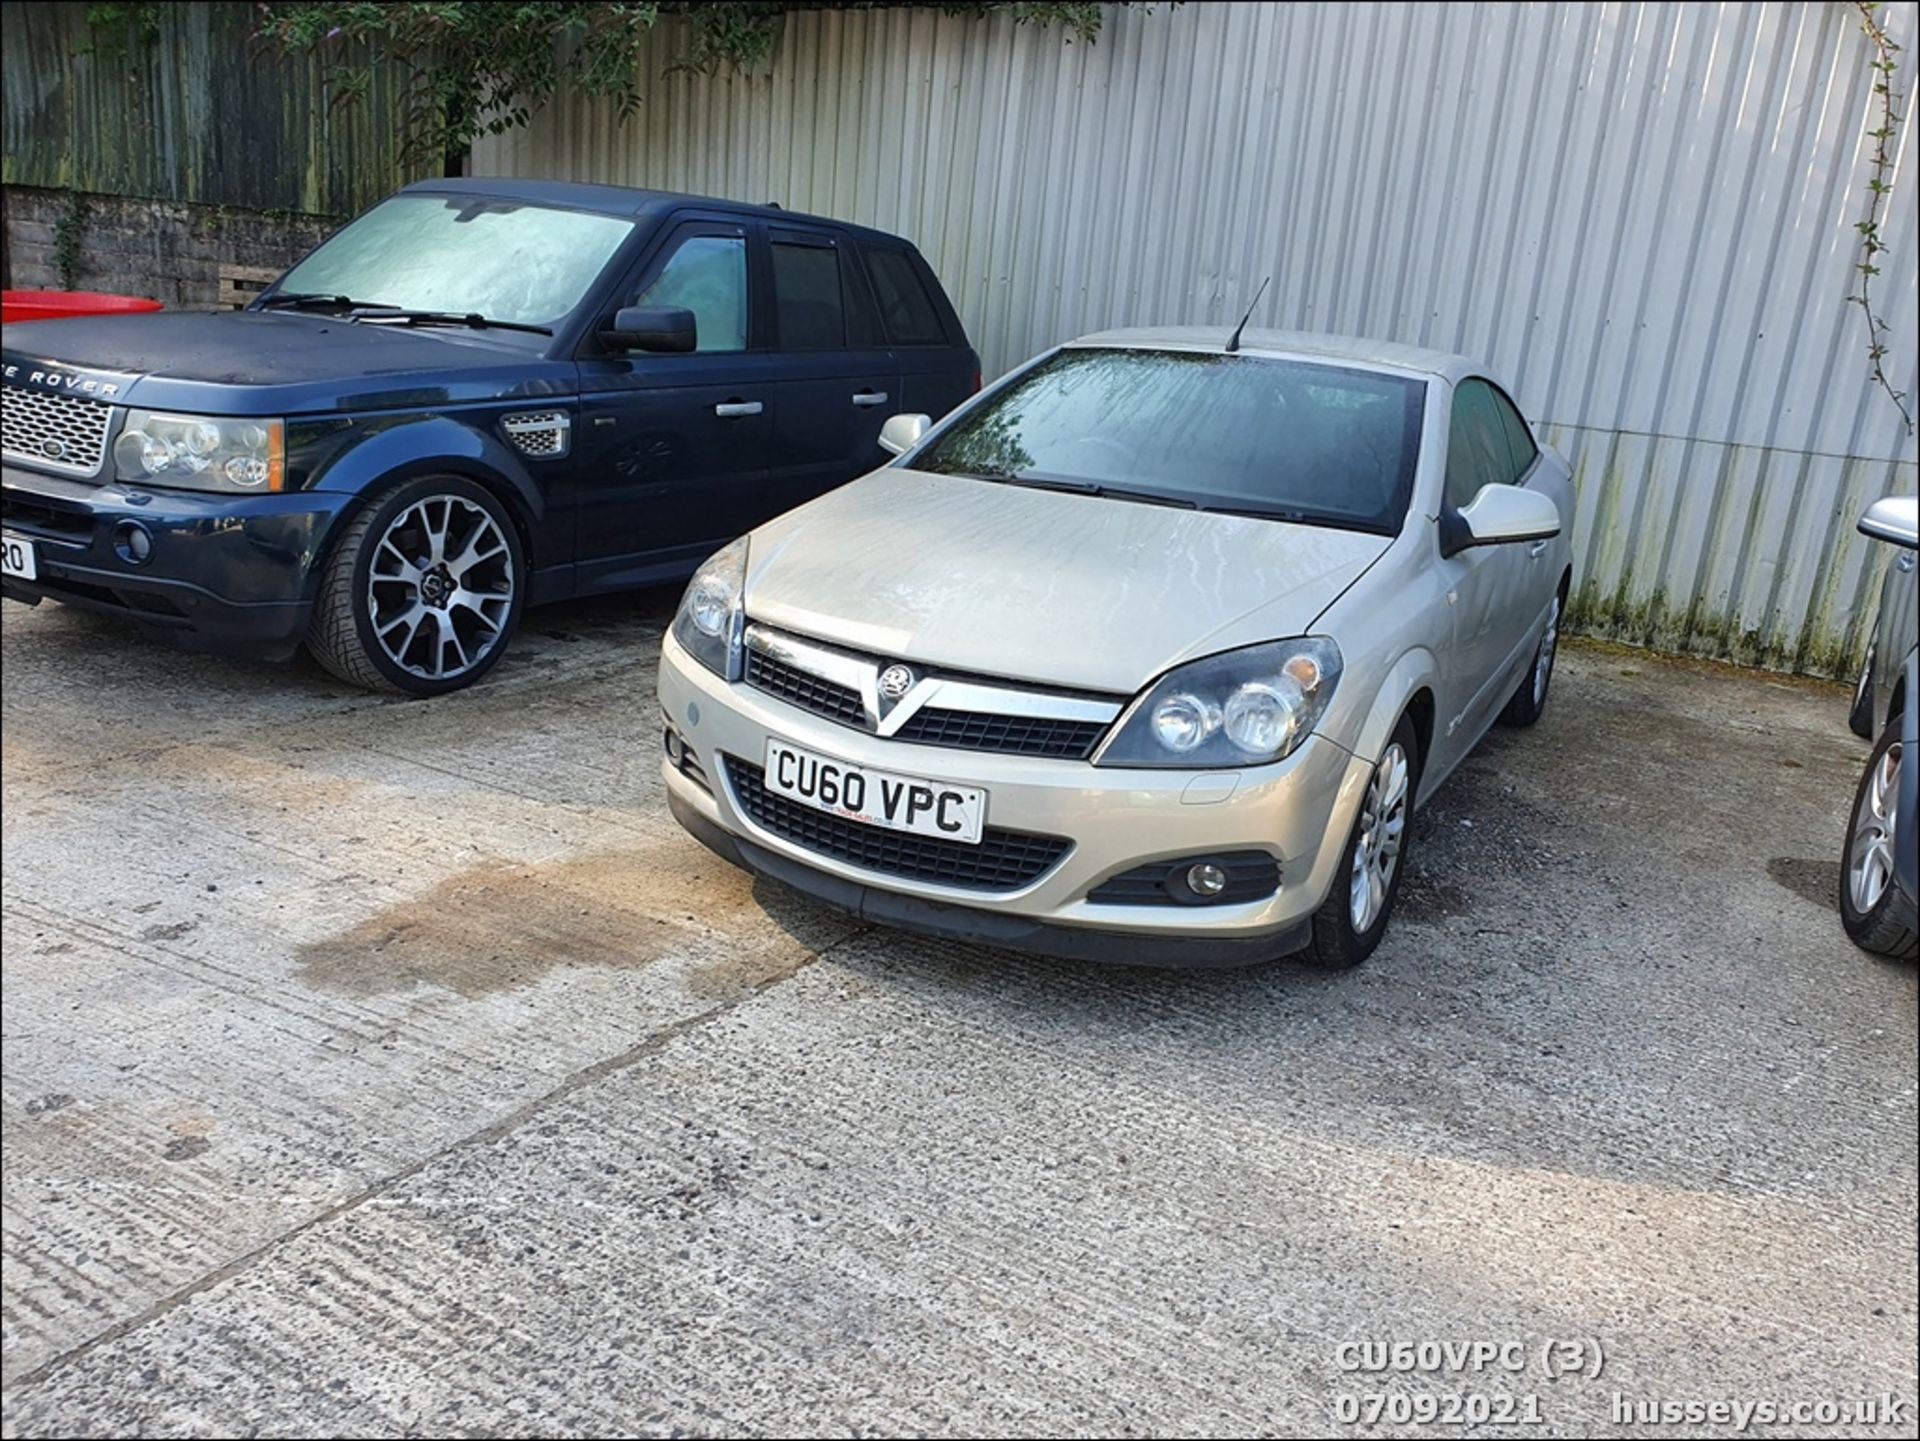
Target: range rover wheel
{"type": "Point", "coordinates": [1354, 916]}
{"type": "Point", "coordinates": [422, 591]}
{"type": "Point", "coordinates": [1869, 906]}
{"type": "Point", "coordinates": [1530, 701]}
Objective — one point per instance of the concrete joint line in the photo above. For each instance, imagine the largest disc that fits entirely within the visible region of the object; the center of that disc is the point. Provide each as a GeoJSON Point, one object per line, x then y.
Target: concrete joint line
{"type": "Point", "coordinates": [486, 1135]}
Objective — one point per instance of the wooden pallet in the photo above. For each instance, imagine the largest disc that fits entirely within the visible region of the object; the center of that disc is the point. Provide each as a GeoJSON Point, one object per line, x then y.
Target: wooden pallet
{"type": "Point", "coordinates": [240, 283]}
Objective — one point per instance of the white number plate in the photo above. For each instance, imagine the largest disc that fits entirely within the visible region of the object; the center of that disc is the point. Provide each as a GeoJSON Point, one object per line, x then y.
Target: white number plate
{"type": "Point", "coordinates": [16, 557]}
{"type": "Point", "coordinates": [877, 798]}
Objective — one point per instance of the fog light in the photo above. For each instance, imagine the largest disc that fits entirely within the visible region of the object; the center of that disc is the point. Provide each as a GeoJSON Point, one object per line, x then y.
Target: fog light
{"type": "Point", "coordinates": [1206, 879]}
{"type": "Point", "coordinates": [133, 542]}
{"type": "Point", "coordinates": [673, 745]}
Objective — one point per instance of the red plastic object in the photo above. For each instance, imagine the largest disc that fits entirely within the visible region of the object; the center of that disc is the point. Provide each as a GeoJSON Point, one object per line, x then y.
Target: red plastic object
{"type": "Point", "coordinates": [58, 304]}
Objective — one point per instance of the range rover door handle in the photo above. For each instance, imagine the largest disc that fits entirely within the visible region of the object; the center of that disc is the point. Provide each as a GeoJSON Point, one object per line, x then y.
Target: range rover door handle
{"type": "Point", "coordinates": [869, 397]}
{"type": "Point", "coordinates": [1534, 550]}
{"type": "Point", "coordinates": [730, 408]}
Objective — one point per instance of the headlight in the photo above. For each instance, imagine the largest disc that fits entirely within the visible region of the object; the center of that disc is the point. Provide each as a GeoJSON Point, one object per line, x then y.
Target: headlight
{"type": "Point", "coordinates": [200, 452]}
{"type": "Point", "coordinates": [711, 619]}
{"type": "Point", "coordinates": [1241, 708]}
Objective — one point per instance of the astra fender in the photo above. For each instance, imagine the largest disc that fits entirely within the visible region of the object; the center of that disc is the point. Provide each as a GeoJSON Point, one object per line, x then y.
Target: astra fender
{"type": "Point", "coordinates": [1410, 673]}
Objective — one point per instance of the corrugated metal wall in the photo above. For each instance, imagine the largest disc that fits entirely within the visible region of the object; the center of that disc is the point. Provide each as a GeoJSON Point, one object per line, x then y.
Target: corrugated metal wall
{"type": "Point", "coordinates": [195, 112]}
{"type": "Point", "coordinates": [1643, 215]}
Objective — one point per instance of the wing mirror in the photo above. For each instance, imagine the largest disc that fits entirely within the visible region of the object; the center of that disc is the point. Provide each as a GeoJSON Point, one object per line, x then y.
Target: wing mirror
{"type": "Point", "coordinates": [666, 328]}
{"type": "Point", "coordinates": [1895, 518]}
{"type": "Point", "coordinates": [1499, 514]}
{"type": "Point", "coordinates": [902, 433]}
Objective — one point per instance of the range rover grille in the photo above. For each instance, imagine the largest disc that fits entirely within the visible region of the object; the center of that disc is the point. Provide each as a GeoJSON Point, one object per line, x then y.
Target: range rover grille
{"type": "Point", "coordinates": [57, 432]}
{"type": "Point", "coordinates": [540, 433]}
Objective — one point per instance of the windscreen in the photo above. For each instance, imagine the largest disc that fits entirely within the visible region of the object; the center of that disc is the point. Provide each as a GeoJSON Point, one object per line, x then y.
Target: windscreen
{"type": "Point", "coordinates": [1297, 440]}
{"type": "Point", "coordinates": [500, 259]}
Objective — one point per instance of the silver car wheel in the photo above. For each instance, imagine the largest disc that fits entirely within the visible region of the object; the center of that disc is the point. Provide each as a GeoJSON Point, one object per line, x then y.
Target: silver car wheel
{"type": "Point", "coordinates": [1543, 663]}
{"type": "Point", "coordinates": [1870, 856]}
{"type": "Point", "coordinates": [1376, 854]}
{"type": "Point", "coordinates": [440, 587]}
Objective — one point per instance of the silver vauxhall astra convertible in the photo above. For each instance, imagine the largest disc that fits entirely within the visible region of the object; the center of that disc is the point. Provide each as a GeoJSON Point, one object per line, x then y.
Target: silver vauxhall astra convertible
{"type": "Point", "coordinates": [1145, 654]}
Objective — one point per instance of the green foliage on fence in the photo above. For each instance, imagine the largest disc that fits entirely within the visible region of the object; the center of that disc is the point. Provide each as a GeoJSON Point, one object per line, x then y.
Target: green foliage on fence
{"type": "Point", "coordinates": [183, 102]}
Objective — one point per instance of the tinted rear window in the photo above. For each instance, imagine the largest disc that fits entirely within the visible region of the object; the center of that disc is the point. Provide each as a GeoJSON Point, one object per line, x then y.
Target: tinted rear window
{"type": "Point", "coordinates": [910, 316]}
{"type": "Point", "coordinates": [1295, 439]}
{"type": "Point", "coordinates": [806, 293]}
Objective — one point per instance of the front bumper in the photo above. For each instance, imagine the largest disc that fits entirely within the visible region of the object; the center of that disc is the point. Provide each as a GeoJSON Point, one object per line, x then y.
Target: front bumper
{"type": "Point", "coordinates": [1299, 810]}
{"type": "Point", "coordinates": [226, 573]}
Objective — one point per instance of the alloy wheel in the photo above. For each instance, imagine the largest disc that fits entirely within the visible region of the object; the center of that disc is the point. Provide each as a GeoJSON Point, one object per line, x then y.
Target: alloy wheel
{"type": "Point", "coordinates": [1376, 854]}
{"type": "Point", "coordinates": [1870, 855]}
{"type": "Point", "coordinates": [440, 586]}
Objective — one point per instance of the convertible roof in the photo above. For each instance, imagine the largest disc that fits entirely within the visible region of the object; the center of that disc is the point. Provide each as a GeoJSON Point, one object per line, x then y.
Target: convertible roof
{"type": "Point", "coordinates": [1353, 349]}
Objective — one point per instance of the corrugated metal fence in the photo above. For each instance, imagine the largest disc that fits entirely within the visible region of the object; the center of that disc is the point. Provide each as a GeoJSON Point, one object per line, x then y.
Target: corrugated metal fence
{"type": "Point", "coordinates": [195, 111]}
{"type": "Point", "coordinates": [1641, 214]}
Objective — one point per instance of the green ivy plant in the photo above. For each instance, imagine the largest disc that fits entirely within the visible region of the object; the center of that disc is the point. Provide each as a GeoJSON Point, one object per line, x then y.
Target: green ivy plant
{"type": "Point", "coordinates": [114, 32]}
{"type": "Point", "coordinates": [482, 67]}
{"type": "Point", "coordinates": [1879, 187]}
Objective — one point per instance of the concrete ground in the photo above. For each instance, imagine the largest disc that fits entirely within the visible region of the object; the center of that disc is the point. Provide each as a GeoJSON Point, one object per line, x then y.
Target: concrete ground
{"type": "Point", "coordinates": [381, 1067]}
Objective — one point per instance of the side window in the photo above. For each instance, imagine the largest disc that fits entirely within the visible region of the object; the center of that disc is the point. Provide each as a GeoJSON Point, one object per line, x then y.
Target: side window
{"type": "Point", "coordinates": [1519, 439]}
{"type": "Point", "coordinates": [1477, 447]}
{"type": "Point", "coordinates": [706, 274]}
{"type": "Point", "coordinates": [863, 326]}
{"type": "Point", "coordinates": [905, 307]}
{"type": "Point", "coordinates": [807, 298]}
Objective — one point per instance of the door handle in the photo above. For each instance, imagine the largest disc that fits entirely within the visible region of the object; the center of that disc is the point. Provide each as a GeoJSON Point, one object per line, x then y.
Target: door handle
{"type": "Point", "coordinates": [1535, 550]}
{"type": "Point", "coordinates": [870, 397]}
{"type": "Point", "coordinates": [732, 408]}
{"type": "Point", "coordinates": [1905, 562]}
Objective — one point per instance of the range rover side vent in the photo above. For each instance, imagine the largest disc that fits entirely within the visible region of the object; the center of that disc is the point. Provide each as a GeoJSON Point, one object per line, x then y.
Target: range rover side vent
{"type": "Point", "coordinates": [541, 433]}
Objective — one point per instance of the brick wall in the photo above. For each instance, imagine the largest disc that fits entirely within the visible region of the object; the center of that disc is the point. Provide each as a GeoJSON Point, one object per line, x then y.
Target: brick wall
{"type": "Point", "coordinates": [163, 249]}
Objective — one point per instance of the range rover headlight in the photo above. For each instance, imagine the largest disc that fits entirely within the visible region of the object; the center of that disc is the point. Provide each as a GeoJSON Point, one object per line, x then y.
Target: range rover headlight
{"type": "Point", "coordinates": [201, 452]}
{"type": "Point", "coordinates": [712, 617]}
{"type": "Point", "coordinates": [1240, 708]}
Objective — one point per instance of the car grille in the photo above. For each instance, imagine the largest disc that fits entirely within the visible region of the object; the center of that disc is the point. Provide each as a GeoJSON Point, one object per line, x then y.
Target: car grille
{"type": "Point", "coordinates": [541, 433]}
{"type": "Point", "coordinates": [1016, 735]}
{"type": "Point", "coordinates": [34, 515]}
{"type": "Point", "coordinates": [56, 432]}
{"type": "Point", "coordinates": [1003, 861]}
{"type": "Point", "coordinates": [1006, 717]}
{"type": "Point", "coordinates": [809, 692]}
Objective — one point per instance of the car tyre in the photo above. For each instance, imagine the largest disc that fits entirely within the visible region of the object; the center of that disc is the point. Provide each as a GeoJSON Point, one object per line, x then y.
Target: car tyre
{"type": "Point", "coordinates": [1529, 703]}
{"type": "Point", "coordinates": [423, 591]}
{"type": "Point", "coordinates": [1870, 905]}
{"type": "Point", "coordinates": [1860, 719]}
{"type": "Point", "coordinates": [1353, 918]}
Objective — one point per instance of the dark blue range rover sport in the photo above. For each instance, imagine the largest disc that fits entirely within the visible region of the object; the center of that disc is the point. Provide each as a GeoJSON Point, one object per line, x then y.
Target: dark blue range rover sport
{"type": "Point", "coordinates": [481, 394]}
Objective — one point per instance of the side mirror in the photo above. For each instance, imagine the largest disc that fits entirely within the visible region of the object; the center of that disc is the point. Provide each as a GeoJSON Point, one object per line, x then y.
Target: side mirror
{"type": "Point", "coordinates": [651, 327]}
{"type": "Point", "coordinates": [902, 433]}
{"type": "Point", "coordinates": [1500, 514]}
{"type": "Point", "coordinates": [1895, 518]}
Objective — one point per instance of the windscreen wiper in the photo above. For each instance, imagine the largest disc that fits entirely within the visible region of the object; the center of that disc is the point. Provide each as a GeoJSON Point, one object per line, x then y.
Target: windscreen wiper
{"type": "Point", "coordinates": [473, 320]}
{"type": "Point", "coordinates": [303, 300]}
{"type": "Point", "coordinates": [1302, 517]}
{"type": "Point", "coordinates": [1106, 492]}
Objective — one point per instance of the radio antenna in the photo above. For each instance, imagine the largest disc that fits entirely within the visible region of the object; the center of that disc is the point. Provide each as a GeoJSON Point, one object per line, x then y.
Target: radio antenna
{"type": "Point", "coordinates": [1233, 341]}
